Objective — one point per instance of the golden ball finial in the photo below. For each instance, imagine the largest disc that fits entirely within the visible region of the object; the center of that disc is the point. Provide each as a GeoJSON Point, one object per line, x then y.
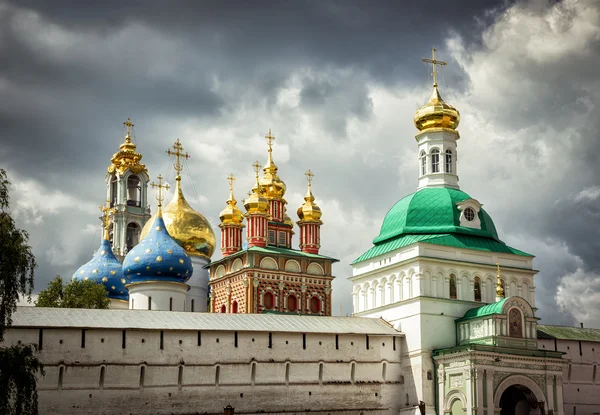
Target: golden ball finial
{"type": "Point", "coordinates": [309, 211]}
{"type": "Point", "coordinates": [231, 215]}
{"type": "Point", "coordinates": [256, 202]}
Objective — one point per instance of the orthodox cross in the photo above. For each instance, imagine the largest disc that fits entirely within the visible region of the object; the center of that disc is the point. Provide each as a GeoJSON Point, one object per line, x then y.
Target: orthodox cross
{"type": "Point", "coordinates": [270, 138]}
{"type": "Point", "coordinates": [434, 63]}
{"type": "Point", "coordinates": [257, 167]}
{"type": "Point", "coordinates": [129, 125]}
{"type": "Point", "coordinates": [106, 212]}
{"type": "Point", "coordinates": [178, 153]}
{"type": "Point", "coordinates": [160, 187]}
{"type": "Point", "coordinates": [231, 179]}
{"type": "Point", "coordinates": [309, 176]}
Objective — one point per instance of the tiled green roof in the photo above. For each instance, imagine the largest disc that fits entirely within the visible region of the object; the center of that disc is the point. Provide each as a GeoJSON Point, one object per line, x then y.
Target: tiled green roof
{"type": "Point", "coordinates": [275, 250]}
{"type": "Point", "coordinates": [568, 333]}
{"type": "Point", "coordinates": [431, 215]}
{"type": "Point", "coordinates": [486, 310]}
{"type": "Point", "coordinates": [452, 240]}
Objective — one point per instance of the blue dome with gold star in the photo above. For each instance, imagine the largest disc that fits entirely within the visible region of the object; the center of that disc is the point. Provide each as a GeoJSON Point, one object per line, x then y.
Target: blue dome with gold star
{"type": "Point", "coordinates": [104, 268]}
{"type": "Point", "coordinates": [157, 258]}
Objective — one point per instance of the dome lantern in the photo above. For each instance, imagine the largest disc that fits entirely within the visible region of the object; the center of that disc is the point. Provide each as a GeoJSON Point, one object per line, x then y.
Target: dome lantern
{"type": "Point", "coordinates": [231, 223]}
{"type": "Point", "coordinates": [310, 220]}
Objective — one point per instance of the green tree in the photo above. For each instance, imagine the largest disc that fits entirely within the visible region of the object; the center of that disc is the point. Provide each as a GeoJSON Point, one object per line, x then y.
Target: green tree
{"type": "Point", "coordinates": [18, 384]}
{"type": "Point", "coordinates": [74, 294]}
{"type": "Point", "coordinates": [17, 262]}
{"type": "Point", "coordinates": [19, 364]}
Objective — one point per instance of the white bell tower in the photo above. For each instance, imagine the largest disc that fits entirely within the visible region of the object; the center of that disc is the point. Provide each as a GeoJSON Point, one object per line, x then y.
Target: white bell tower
{"type": "Point", "coordinates": [127, 193]}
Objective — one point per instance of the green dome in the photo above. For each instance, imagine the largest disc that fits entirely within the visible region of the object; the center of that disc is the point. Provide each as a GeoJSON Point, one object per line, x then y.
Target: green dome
{"type": "Point", "coordinates": [432, 211]}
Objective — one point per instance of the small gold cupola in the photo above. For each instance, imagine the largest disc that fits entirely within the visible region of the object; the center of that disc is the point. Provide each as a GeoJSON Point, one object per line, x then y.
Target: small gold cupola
{"type": "Point", "coordinates": [436, 113]}
{"type": "Point", "coordinates": [231, 214]}
{"type": "Point", "coordinates": [309, 211]}
{"type": "Point", "coordinates": [256, 202]}
{"type": "Point", "coordinates": [273, 187]}
{"type": "Point", "coordinates": [127, 157]}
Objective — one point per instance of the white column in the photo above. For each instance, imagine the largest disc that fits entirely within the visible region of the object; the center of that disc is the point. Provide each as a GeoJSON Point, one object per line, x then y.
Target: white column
{"type": "Point", "coordinates": [469, 383]}
{"type": "Point", "coordinates": [489, 381]}
{"type": "Point", "coordinates": [549, 393]}
{"type": "Point", "coordinates": [560, 406]}
{"type": "Point", "coordinates": [441, 394]}
{"type": "Point", "coordinates": [479, 391]}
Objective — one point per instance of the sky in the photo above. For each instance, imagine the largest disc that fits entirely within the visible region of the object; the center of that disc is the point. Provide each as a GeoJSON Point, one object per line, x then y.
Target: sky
{"type": "Point", "coordinates": [338, 82]}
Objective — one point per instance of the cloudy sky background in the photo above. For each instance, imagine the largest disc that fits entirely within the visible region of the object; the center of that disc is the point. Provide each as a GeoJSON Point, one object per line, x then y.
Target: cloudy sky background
{"type": "Point", "coordinates": [338, 82]}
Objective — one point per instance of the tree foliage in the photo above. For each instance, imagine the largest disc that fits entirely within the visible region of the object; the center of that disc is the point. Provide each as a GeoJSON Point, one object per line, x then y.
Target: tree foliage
{"type": "Point", "coordinates": [74, 294]}
{"type": "Point", "coordinates": [18, 384]}
{"type": "Point", "coordinates": [17, 262]}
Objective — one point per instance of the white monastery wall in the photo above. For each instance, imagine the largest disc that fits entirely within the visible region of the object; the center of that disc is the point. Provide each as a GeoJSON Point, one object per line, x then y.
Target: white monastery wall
{"type": "Point", "coordinates": [188, 371]}
{"type": "Point", "coordinates": [581, 382]}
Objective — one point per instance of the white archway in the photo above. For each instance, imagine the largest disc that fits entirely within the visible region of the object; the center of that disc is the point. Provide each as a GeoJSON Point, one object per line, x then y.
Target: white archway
{"type": "Point", "coordinates": [515, 380]}
{"type": "Point", "coordinates": [451, 398]}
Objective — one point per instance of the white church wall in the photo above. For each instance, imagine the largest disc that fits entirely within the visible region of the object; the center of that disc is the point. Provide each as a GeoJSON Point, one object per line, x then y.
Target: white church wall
{"type": "Point", "coordinates": [124, 371]}
{"type": "Point", "coordinates": [581, 382]}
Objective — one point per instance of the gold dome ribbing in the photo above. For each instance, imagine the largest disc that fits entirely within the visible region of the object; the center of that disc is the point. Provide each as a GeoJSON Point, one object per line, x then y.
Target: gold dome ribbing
{"type": "Point", "coordinates": [231, 215]}
{"type": "Point", "coordinates": [309, 211]}
{"type": "Point", "coordinates": [127, 158]}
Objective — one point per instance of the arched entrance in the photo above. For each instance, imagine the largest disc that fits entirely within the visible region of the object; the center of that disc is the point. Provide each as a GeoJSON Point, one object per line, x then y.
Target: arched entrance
{"type": "Point", "coordinates": [519, 395]}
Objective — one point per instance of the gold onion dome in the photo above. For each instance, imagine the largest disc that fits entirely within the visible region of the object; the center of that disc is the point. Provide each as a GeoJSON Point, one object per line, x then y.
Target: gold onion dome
{"type": "Point", "coordinates": [309, 211]}
{"type": "Point", "coordinates": [272, 186]}
{"type": "Point", "coordinates": [436, 113]}
{"type": "Point", "coordinates": [231, 215]}
{"type": "Point", "coordinates": [127, 158]}
{"type": "Point", "coordinates": [256, 202]}
{"type": "Point", "coordinates": [190, 229]}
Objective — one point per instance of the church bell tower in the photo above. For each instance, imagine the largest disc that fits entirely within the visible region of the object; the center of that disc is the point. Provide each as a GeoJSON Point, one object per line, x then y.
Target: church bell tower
{"type": "Point", "coordinates": [127, 192]}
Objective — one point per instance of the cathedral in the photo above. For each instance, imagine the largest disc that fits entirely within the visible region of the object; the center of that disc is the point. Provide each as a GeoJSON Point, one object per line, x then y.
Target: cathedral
{"type": "Point", "coordinates": [444, 317]}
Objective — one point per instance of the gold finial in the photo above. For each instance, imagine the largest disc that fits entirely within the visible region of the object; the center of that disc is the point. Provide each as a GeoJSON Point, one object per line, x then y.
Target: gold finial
{"type": "Point", "coordinates": [178, 153]}
{"type": "Point", "coordinates": [499, 288]}
{"type": "Point", "coordinates": [434, 63]}
{"type": "Point", "coordinates": [160, 195]}
{"type": "Point", "coordinates": [270, 138]}
{"type": "Point", "coordinates": [106, 212]}
{"type": "Point", "coordinates": [231, 179]}
{"type": "Point", "coordinates": [129, 126]}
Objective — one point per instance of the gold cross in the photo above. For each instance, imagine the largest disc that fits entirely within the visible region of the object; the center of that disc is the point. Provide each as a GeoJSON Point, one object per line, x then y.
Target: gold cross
{"type": "Point", "coordinates": [270, 138]}
{"type": "Point", "coordinates": [434, 62]}
{"type": "Point", "coordinates": [128, 124]}
{"type": "Point", "coordinates": [106, 212]}
{"type": "Point", "coordinates": [231, 179]}
{"type": "Point", "coordinates": [178, 153]}
{"type": "Point", "coordinates": [309, 176]}
{"type": "Point", "coordinates": [257, 167]}
{"type": "Point", "coordinates": [160, 186]}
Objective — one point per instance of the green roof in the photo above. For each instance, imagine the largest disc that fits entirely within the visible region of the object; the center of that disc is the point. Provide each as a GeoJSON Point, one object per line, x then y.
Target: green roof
{"type": "Point", "coordinates": [568, 333]}
{"type": "Point", "coordinates": [431, 215]}
{"type": "Point", "coordinates": [276, 251]}
{"type": "Point", "coordinates": [486, 310]}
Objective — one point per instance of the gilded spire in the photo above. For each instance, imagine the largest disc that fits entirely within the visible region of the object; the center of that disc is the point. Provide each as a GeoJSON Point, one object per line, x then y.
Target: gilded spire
{"type": "Point", "coordinates": [231, 214]}
{"type": "Point", "coordinates": [159, 195]}
{"type": "Point", "coordinates": [106, 212]}
{"type": "Point", "coordinates": [272, 186]}
{"type": "Point", "coordinates": [127, 158]}
{"type": "Point", "coordinates": [309, 211]}
{"type": "Point", "coordinates": [436, 113]}
{"type": "Point", "coordinates": [499, 288]}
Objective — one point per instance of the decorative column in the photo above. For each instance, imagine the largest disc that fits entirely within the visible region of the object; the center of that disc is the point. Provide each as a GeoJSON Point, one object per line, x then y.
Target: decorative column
{"type": "Point", "coordinates": [310, 221]}
{"type": "Point", "coordinates": [257, 214]}
{"type": "Point", "coordinates": [560, 405]}
{"type": "Point", "coordinates": [441, 389]}
{"type": "Point", "coordinates": [489, 388]}
{"type": "Point", "coordinates": [479, 398]}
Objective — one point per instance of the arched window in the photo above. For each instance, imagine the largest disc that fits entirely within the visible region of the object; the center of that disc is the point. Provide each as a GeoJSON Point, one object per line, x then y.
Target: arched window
{"type": "Point", "coordinates": [234, 307]}
{"type": "Point", "coordinates": [477, 289]}
{"type": "Point", "coordinates": [453, 286]}
{"type": "Point", "coordinates": [113, 190]}
{"type": "Point", "coordinates": [223, 309]}
{"type": "Point", "coordinates": [134, 191]}
{"type": "Point", "coordinates": [315, 305]}
{"type": "Point", "coordinates": [268, 300]}
{"type": "Point", "coordinates": [423, 158]}
{"type": "Point", "coordinates": [435, 160]}
{"type": "Point", "coordinates": [292, 303]}
{"type": "Point", "coordinates": [515, 325]}
{"type": "Point", "coordinates": [448, 161]}
{"type": "Point", "coordinates": [133, 235]}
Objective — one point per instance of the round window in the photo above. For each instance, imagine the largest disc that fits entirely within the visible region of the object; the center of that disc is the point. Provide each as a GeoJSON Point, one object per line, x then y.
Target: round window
{"type": "Point", "coordinates": [469, 214]}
